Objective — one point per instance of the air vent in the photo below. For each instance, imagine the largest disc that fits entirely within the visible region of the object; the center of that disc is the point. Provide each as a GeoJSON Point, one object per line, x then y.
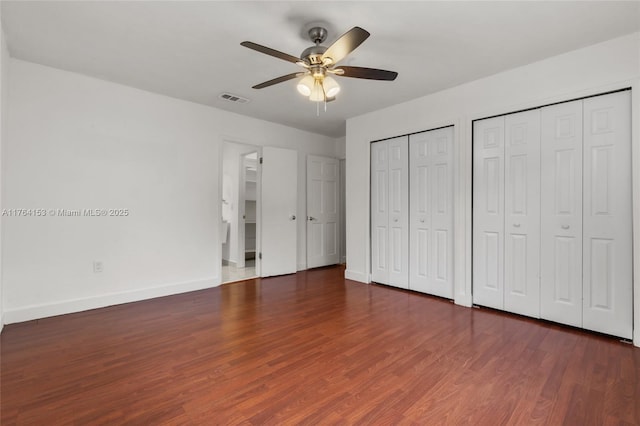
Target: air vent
{"type": "Point", "coordinates": [233, 98]}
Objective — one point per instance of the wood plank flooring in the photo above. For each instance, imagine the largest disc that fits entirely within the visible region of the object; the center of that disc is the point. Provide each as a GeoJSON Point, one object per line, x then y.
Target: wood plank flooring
{"type": "Point", "coordinates": [311, 348]}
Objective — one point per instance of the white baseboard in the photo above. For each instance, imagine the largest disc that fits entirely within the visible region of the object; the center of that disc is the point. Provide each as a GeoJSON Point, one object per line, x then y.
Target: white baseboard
{"type": "Point", "coordinates": [33, 312]}
{"type": "Point", "coordinates": [301, 266]}
{"type": "Point", "coordinates": [356, 276]}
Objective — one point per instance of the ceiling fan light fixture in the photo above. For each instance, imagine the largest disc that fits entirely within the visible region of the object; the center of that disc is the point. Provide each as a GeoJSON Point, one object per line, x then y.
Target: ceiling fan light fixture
{"type": "Point", "coordinates": [305, 85]}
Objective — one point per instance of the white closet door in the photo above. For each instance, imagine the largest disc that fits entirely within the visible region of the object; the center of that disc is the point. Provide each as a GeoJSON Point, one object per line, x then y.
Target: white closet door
{"type": "Point", "coordinates": [522, 213]}
{"type": "Point", "coordinates": [488, 212]}
{"type": "Point", "coordinates": [420, 167]}
{"type": "Point", "coordinates": [380, 212]}
{"type": "Point", "coordinates": [561, 213]}
{"type": "Point", "coordinates": [399, 212]}
{"type": "Point", "coordinates": [322, 211]}
{"type": "Point", "coordinates": [390, 212]}
{"type": "Point", "coordinates": [431, 212]}
{"type": "Point", "coordinates": [607, 242]}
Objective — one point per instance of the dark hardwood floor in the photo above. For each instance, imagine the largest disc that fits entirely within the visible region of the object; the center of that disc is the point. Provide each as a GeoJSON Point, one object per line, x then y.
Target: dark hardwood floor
{"type": "Point", "coordinates": [311, 348]}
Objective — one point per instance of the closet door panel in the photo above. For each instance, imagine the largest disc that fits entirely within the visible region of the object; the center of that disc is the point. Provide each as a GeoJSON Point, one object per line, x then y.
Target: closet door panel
{"type": "Point", "coordinates": [522, 213]}
{"type": "Point", "coordinates": [431, 214]}
{"type": "Point", "coordinates": [442, 212]}
{"type": "Point", "coordinates": [420, 166]}
{"type": "Point", "coordinates": [561, 213]}
{"type": "Point", "coordinates": [607, 237]}
{"type": "Point", "coordinates": [488, 212]}
{"type": "Point", "coordinates": [399, 212]}
{"type": "Point", "coordinates": [380, 212]}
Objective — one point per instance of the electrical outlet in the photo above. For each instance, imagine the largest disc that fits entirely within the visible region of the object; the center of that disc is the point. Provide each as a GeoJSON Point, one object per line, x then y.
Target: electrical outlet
{"type": "Point", "coordinates": [97, 266]}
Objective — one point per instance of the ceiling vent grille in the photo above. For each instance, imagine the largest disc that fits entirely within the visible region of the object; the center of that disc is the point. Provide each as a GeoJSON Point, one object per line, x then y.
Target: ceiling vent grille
{"type": "Point", "coordinates": [233, 98]}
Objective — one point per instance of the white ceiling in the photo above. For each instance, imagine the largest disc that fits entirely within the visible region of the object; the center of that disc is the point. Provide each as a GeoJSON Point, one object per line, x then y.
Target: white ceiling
{"type": "Point", "coordinates": [191, 50]}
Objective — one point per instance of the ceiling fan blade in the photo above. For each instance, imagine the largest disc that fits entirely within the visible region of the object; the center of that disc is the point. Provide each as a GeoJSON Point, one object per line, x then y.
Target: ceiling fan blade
{"type": "Point", "coordinates": [269, 51]}
{"type": "Point", "coordinates": [368, 73]}
{"type": "Point", "coordinates": [278, 80]}
{"type": "Point", "coordinates": [346, 44]}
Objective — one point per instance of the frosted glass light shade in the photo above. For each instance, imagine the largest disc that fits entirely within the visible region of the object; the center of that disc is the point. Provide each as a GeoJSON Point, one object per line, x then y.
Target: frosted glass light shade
{"type": "Point", "coordinates": [305, 86]}
{"type": "Point", "coordinates": [317, 94]}
{"type": "Point", "coordinates": [331, 87]}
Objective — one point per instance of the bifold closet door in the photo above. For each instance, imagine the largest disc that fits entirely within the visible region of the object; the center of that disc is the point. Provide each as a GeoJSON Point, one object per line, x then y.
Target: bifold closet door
{"type": "Point", "coordinates": [488, 212]}
{"type": "Point", "coordinates": [389, 212]}
{"type": "Point", "coordinates": [506, 213]}
{"type": "Point", "coordinates": [522, 214]}
{"type": "Point", "coordinates": [431, 212]}
{"type": "Point", "coordinates": [607, 236]}
{"type": "Point", "coordinates": [561, 213]}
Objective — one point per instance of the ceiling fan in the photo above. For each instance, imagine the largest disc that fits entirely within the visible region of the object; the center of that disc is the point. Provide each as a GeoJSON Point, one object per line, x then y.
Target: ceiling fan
{"type": "Point", "coordinates": [320, 61]}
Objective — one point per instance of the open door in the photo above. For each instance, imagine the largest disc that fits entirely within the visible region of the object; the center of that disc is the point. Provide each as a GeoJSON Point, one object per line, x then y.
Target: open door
{"type": "Point", "coordinates": [322, 211]}
{"type": "Point", "coordinates": [279, 211]}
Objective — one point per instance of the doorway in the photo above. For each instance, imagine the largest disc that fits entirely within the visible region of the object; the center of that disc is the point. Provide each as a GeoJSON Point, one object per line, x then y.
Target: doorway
{"type": "Point", "coordinates": [240, 212]}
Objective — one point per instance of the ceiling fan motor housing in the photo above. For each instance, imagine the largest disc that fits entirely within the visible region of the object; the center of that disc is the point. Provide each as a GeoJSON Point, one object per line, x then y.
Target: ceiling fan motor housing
{"type": "Point", "coordinates": [313, 55]}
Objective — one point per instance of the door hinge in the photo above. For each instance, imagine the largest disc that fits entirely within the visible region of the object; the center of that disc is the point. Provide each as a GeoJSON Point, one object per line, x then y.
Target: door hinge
{"type": "Point", "coordinates": [260, 160]}
{"type": "Point", "coordinates": [260, 255]}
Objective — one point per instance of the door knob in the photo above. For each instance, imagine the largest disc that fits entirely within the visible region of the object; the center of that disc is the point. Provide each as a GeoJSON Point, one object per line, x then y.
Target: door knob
{"type": "Point", "coordinates": [395, 219]}
{"type": "Point", "coordinates": [292, 217]}
{"type": "Point", "coordinates": [565, 226]}
{"type": "Point", "coordinates": [422, 220]}
{"type": "Point", "coordinates": [311, 218]}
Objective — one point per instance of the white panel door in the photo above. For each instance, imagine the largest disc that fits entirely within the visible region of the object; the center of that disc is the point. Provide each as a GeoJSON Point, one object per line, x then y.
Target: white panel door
{"type": "Point", "coordinates": [322, 211]}
{"type": "Point", "coordinates": [431, 212]}
{"type": "Point", "coordinates": [380, 212]}
{"type": "Point", "coordinates": [607, 239]}
{"type": "Point", "coordinates": [561, 213]}
{"type": "Point", "coordinates": [279, 203]}
{"type": "Point", "coordinates": [399, 212]}
{"type": "Point", "coordinates": [522, 214]}
{"type": "Point", "coordinates": [488, 212]}
{"type": "Point", "coordinates": [390, 212]}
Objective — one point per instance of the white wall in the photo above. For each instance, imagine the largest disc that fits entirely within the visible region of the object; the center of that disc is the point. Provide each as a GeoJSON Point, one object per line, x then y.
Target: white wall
{"type": "Point", "coordinates": [76, 142]}
{"type": "Point", "coordinates": [606, 66]}
{"type": "Point", "coordinates": [4, 85]}
{"type": "Point", "coordinates": [341, 147]}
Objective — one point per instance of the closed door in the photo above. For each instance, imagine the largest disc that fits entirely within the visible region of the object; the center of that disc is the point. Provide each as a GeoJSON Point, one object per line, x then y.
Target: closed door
{"type": "Point", "coordinates": [279, 204]}
{"type": "Point", "coordinates": [561, 212]}
{"type": "Point", "coordinates": [431, 212]}
{"type": "Point", "coordinates": [322, 211]}
{"type": "Point", "coordinates": [380, 212]}
{"type": "Point", "coordinates": [522, 213]}
{"type": "Point", "coordinates": [488, 212]}
{"type": "Point", "coordinates": [389, 212]}
{"type": "Point", "coordinates": [607, 236]}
